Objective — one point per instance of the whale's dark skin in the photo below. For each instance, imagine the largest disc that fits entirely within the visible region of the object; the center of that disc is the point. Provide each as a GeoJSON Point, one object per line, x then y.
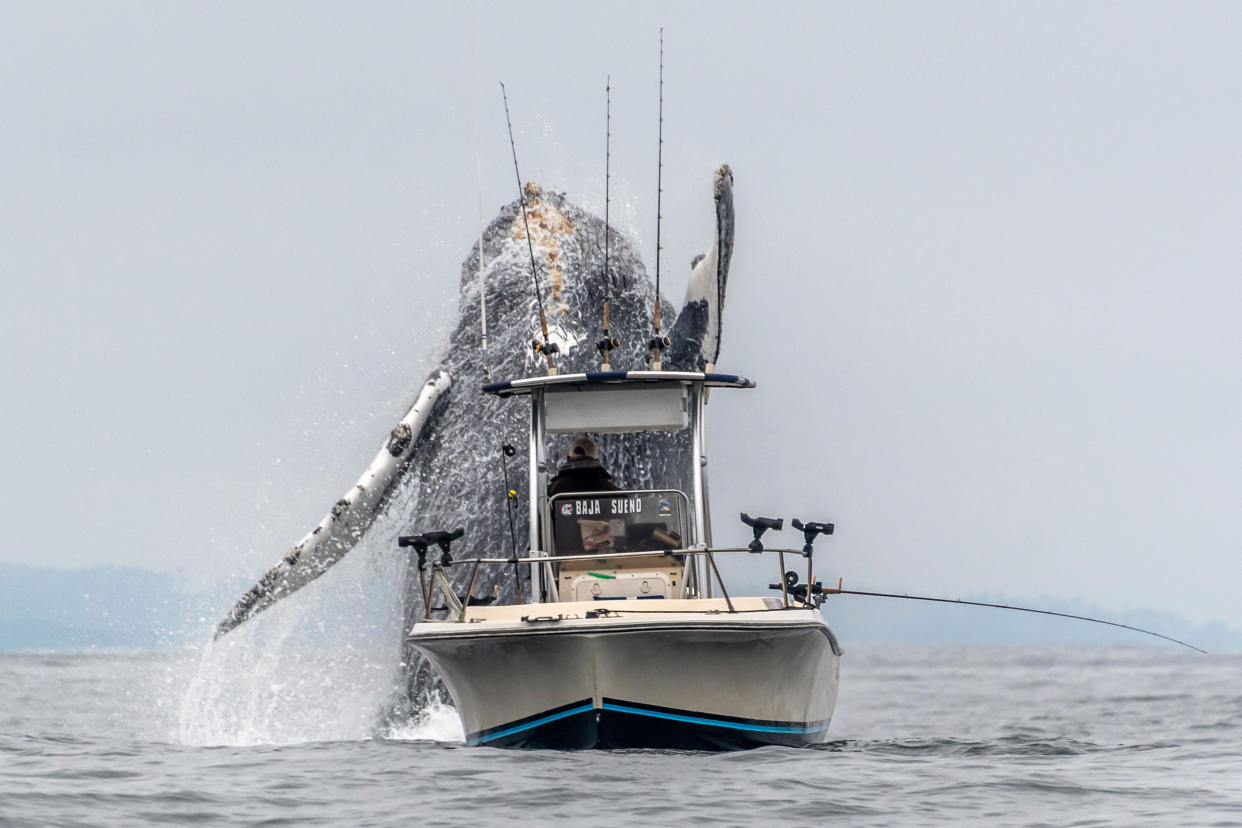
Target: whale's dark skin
{"type": "Point", "coordinates": [451, 474]}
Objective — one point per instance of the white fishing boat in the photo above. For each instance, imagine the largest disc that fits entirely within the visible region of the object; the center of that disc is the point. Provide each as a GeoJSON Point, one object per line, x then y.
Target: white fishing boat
{"type": "Point", "coordinates": [625, 635]}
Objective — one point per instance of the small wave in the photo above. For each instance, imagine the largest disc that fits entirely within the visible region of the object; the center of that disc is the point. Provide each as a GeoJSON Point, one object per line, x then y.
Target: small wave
{"type": "Point", "coordinates": [1005, 746]}
{"type": "Point", "coordinates": [1146, 698]}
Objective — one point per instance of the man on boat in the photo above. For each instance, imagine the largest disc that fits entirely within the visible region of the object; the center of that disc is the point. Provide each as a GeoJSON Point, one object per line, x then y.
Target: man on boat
{"type": "Point", "coordinates": [582, 471]}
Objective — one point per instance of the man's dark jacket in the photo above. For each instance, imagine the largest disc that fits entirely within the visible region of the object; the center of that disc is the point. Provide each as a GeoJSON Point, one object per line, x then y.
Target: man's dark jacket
{"type": "Point", "coordinates": [581, 474]}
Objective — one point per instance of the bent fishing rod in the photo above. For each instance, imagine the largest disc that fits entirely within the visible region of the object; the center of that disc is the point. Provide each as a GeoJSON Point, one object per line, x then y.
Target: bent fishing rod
{"type": "Point", "coordinates": [840, 591]}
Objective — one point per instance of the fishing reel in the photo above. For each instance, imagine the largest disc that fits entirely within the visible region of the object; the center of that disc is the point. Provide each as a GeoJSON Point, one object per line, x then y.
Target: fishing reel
{"type": "Point", "coordinates": [656, 348]}
{"type": "Point", "coordinates": [547, 349]}
{"type": "Point", "coordinates": [761, 525]}
{"type": "Point", "coordinates": [605, 347]}
{"type": "Point", "coordinates": [802, 591]}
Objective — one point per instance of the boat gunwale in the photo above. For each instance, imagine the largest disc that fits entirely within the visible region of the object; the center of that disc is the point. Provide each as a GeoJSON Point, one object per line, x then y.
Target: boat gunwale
{"type": "Point", "coordinates": [452, 631]}
{"type": "Point", "coordinates": [676, 554]}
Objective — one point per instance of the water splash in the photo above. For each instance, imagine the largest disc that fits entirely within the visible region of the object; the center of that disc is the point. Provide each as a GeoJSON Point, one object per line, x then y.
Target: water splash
{"type": "Point", "coordinates": [439, 722]}
{"type": "Point", "coordinates": [323, 665]}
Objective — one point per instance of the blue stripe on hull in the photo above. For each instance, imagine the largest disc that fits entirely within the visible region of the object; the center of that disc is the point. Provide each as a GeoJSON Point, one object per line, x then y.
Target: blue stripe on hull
{"type": "Point", "coordinates": [529, 725]}
{"type": "Point", "coordinates": [620, 724]}
{"type": "Point", "coordinates": [814, 727]}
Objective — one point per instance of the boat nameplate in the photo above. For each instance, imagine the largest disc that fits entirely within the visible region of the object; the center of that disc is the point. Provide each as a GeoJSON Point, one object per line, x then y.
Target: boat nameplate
{"type": "Point", "coordinates": [625, 521]}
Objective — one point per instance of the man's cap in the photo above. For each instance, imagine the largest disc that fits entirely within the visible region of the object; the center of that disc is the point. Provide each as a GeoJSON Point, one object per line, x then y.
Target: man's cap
{"type": "Point", "coordinates": [584, 447]}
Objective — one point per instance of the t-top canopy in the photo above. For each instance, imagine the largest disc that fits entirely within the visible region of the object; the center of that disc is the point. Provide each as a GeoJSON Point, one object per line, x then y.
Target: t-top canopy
{"type": "Point", "coordinates": [616, 378]}
{"type": "Point", "coordinates": [616, 401]}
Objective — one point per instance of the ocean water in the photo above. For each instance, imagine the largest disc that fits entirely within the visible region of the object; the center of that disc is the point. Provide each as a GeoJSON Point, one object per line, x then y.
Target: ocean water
{"type": "Point", "coordinates": [962, 735]}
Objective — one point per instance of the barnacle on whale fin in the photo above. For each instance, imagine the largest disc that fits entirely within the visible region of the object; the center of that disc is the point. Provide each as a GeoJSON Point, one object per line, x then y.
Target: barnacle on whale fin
{"type": "Point", "coordinates": [399, 439]}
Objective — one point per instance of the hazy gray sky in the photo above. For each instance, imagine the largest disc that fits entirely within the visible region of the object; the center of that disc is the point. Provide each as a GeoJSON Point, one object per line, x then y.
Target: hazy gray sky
{"type": "Point", "coordinates": [987, 270]}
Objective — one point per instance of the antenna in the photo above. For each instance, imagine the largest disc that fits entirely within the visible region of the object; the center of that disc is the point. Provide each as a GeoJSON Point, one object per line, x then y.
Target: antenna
{"type": "Point", "coordinates": [658, 343]}
{"type": "Point", "coordinates": [548, 349]}
{"type": "Point", "coordinates": [606, 345]}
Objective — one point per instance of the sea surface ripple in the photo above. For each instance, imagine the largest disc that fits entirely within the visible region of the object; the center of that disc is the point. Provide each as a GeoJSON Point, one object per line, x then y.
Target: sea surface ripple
{"type": "Point", "coordinates": [974, 735]}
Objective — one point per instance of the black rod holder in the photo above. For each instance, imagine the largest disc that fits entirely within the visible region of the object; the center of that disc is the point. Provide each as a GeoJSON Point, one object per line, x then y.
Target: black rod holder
{"type": "Point", "coordinates": [761, 525]}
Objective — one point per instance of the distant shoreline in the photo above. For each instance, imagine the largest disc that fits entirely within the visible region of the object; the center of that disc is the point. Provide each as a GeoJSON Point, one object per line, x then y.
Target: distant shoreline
{"type": "Point", "coordinates": [53, 610]}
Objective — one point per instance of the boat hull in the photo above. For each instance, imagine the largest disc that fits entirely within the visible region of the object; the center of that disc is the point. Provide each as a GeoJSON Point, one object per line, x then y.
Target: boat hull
{"type": "Point", "coordinates": [640, 679]}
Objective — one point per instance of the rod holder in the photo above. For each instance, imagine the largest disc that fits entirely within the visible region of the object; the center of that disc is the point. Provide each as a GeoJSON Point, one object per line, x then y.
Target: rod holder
{"type": "Point", "coordinates": [761, 525]}
{"type": "Point", "coordinates": [420, 548]}
{"type": "Point", "coordinates": [422, 542]}
{"type": "Point", "coordinates": [810, 531]}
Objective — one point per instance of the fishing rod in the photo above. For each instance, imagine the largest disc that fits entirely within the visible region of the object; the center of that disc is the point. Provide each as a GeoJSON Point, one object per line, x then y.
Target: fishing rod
{"type": "Point", "coordinates": [840, 591]}
{"type": "Point", "coordinates": [659, 343]}
{"type": "Point", "coordinates": [547, 348]}
{"type": "Point", "coordinates": [606, 345]}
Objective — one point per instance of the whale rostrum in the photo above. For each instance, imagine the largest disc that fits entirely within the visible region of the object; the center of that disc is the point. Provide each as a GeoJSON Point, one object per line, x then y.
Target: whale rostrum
{"type": "Point", "coordinates": [439, 467]}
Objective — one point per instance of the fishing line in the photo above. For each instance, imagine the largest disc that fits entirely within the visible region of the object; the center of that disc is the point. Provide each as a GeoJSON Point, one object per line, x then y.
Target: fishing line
{"type": "Point", "coordinates": [839, 591]}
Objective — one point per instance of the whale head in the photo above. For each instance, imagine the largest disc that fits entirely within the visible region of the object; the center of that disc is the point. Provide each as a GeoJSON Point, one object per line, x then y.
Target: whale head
{"type": "Point", "coordinates": [567, 244]}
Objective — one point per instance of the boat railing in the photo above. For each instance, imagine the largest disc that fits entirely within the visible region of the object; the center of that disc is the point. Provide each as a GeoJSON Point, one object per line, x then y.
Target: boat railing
{"type": "Point", "coordinates": [793, 595]}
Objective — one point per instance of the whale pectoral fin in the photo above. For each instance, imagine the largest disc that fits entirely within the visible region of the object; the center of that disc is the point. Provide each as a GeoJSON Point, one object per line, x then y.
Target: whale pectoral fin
{"type": "Point", "coordinates": [687, 335]}
{"type": "Point", "coordinates": [696, 334]}
{"type": "Point", "coordinates": [350, 517]}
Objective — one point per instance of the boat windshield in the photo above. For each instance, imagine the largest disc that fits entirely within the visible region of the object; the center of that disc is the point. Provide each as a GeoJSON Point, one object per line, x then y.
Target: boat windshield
{"type": "Point", "coordinates": [584, 523]}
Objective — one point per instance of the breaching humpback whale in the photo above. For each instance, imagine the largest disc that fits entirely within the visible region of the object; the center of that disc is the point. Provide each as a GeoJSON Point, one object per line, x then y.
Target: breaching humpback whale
{"type": "Point", "coordinates": [440, 467]}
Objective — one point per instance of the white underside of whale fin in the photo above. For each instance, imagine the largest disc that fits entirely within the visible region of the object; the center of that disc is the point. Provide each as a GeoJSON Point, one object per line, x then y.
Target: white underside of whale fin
{"type": "Point", "coordinates": [349, 518]}
{"type": "Point", "coordinates": [703, 288]}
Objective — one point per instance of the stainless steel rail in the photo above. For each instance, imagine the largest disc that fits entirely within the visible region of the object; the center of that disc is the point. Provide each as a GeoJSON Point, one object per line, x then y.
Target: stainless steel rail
{"type": "Point", "coordinates": [613, 555]}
